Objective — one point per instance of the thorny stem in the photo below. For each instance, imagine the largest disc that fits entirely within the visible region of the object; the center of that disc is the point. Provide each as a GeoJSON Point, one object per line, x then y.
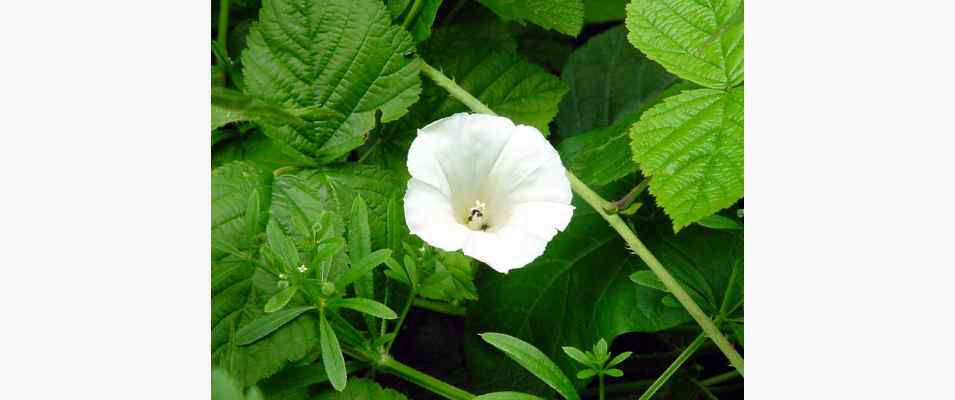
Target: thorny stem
{"type": "Point", "coordinates": [674, 366]}
{"type": "Point", "coordinates": [629, 198]}
{"type": "Point", "coordinates": [415, 7]}
{"type": "Point", "coordinates": [672, 285]}
{"type": "Point", "coordinates": [437, 306]}
{"type": "Point", "coordinates": [437, 386]}
{"type": "Point", "coordinates": [617, 223]}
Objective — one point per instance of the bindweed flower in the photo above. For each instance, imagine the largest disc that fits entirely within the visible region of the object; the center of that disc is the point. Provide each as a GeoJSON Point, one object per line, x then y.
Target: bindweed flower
{"type": "Point", "coordinates": [482, 184]}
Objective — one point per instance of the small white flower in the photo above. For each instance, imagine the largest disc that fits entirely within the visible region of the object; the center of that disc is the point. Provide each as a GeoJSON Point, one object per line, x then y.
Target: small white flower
{"type": "Point", "coordinates": [302, 268]}
{"type": "Point", "coordinates": [482, 184]}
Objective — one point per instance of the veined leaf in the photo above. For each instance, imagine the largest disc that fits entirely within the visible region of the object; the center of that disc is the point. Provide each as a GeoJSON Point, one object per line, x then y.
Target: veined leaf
{"type": "Point", "coordinates": [257, 149]}
{"type": "Point", "coordinates": [362, 389]}
{"type": "Point", "coordinates": [232, 186]}
{"type": "Point", "coordinates": [691, 145]}
{"type": "Point", "coordinates": [267, 324]}
{"type": "Point", "coordinates": [222, 117]}
{"type": "Point", "coordinates": [534, 361]}
{"type": "Point", "coordinates": [366, 306]}
{"type": "Point", "coordinates": [332, 356]}
{"type": "Point", "coordinates": [596, 11]}
{"type": "Point", "coordinates": [565, 16]}
{"type": "Point", "coordinates": [340, 55]}
{"type": "Point", "coordinates": [698, 41]}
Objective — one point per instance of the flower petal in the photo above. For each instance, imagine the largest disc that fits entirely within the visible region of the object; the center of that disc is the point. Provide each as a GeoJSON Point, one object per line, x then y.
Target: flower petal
{"type": "Point", "coordinates": [505, 249]}
{"type": "Point", "coordinates": [542, 219]}
{"type": "Point", "coordinates": [429, 214]}
{"type": "Point", "coordinates": [529, 169]}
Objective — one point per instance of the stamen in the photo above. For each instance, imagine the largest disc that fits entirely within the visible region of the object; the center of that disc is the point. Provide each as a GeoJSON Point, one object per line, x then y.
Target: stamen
{"type": "Point", "coordinates": [477, 216]}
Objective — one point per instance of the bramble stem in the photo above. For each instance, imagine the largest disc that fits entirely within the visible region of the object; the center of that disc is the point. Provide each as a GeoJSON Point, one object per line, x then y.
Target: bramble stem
{"type": "Point", "coordinates": [439, 307]}
{"type": "Point", "coordinates": [617, 223]}
{"type": "Point", "coordinates": [674, 366]}
{"type": "Point", "coordinates": [672, 285]}
{"type": "Point", "coordinates": [456, 91]}
{"type": "Point", "coordinates": [437, 386]}
{"type": "Point", "coordinates": [415, 7]}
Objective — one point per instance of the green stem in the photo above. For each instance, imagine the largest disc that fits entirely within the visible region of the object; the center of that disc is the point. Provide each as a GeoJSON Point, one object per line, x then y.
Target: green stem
{"type": "Point", "coordinates": [718, 379]}
{"type": "Point", "coordinates": [401, 318]}
{"type": "Point", "coordinates": [629, 198]}
{"type": "Point", "coordinates": [440, 307]}
{"type": "Point", "coordinates": [601, 392]}
{"type": "Point", "coordinates": [456, 91]}
{"type": "Point", "coordinates": [222, 31]}
{"type": "Point", "coordinates": [672, 285]}
{"type": "Point", "coordinates": [674, 366]}
{"type": "Point", "coordinates": [415, 7]}
{"type": "Point", "coordinates": [706, 392]}
{"type": "Point", "coordinates": [620, 388]}
{"type": "Point", "coordinates": [437, 386]}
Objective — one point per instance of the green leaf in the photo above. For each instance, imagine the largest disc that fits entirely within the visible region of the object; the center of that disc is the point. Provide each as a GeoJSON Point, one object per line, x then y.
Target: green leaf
{"type": "Point", "coordinates": [616, 373]}
{"type": "Point", "coordinates": [609, 80]}
{"type": "Point", "coordinates": [534, 361]}
{"type": "Point", "coordinates": [327, 248]}
{"type": "Point", "coordinates": [298, 378]}
{"type": "Point", "coordinates": [362, 389]}
{"type": "Point", "coordinates": [691, 145]}
{"type": "Point", "coordinates": [282, 246]}
{"type": "Point", "coordinates": [222, 117]}
{"type": "Point", "coordinates": [565, 16]}
{"type": "Point", "coordinates": [586, 373]}
{"type": "Point", "coordinates": [619, 358]}
{"type": "Point", "coordinates": [507, 396]}
{"type": "Point", "coordinates": [486, 64]}
{"type": "Point", "coordinates": [332, 356]}
{"type": "Point", "coordinates": [232, 187]}
{"type": "Point", "coordinates": [577, 355]}
{"type": "Point", "coordinates": [717, 221]}
{"type": "Point", "coordinates": [737, 331]}
{"type": "Point", "coordinates": [280, 299]}
{"type": "Point", "coordinates": [340, 55]}
{"type": "Point", "coordinates": [648, 279]}
{"type": "Point", "coordinates": [366, 306]}
{"type": "Point", "coordinates": [596, 11]}
{"type": "Point", "coordinates": [579, 291]}
{"type": "Point", "coordinates": [267, 324]}
{"type": "Point", "coordinates": [257, 149]}
{"type": "Point", "coordinates": [359, 246]}
{"type": "Point", "coordinates": [239, 293]}
{"type": "Point", "coordinates": [224, 387]}
{"type": "Point", "coordinates": [600, 351]}
{"type": "Point", "coordinates": [698, 41]}
{"type": "Point", "coordinates": [362, 268]}
{"type": "Point", "coordinates": [420, 26]}
{"type": "Point", "coordinates": [250, 108]}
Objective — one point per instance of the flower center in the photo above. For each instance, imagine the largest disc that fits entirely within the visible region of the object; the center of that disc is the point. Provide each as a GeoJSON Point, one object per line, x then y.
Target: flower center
{"type": "Point", "coordinates": [477, 217]}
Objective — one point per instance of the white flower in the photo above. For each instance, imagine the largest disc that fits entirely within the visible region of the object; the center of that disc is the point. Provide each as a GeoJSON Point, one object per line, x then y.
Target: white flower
{"type": "Point", "coordinates": [303, 269]}
{"type": "Point", "coordinates": [482, 184]}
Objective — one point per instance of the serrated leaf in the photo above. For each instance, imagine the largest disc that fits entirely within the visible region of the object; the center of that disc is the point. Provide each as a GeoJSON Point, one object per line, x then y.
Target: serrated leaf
{"type": "Point", "coordinates": [698, 41]}
{"type": "Point", "coordinates": [222, 117]}
{"type": "Point", "coordinates": [232, 187]}
{"type": "Point", "coordinates": [691, 145]}
{"type": "Point", "coordinates": [596, 11]}
{"type": "Point", "coordinates": [565, 16]}
{"type": "Point", "coordinates": [264, 325]}
{"type": "Point", "coordinates": [366, 306]}
{"type": "Point", "coordinates": [340, 55]}
{"type": "Point", "coordinates": [258, 149]}
{"type": "Point", "coordinates": [534, 361]}
{"type": "Point", "coordinates": [577, 355]}
{"type": "Point", "coordinates": [239, 292]}
{"type": "Point", "coordinates": [280, 299]}
{"type": "Point", "coordinates": [609, 80]}
{"type": "Point", "coordinates": [362, 389]}
{"type": "Point", "coordinates": [486, 64]}
{"type": "Point", "coordinates": [332, 357]}
{"type": "Point", "coordinates": [507, 396]}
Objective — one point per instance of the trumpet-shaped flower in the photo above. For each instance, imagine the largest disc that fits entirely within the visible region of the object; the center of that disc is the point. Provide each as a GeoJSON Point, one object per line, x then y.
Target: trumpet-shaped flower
{"type": "Point", "coordinates": [482, 184]}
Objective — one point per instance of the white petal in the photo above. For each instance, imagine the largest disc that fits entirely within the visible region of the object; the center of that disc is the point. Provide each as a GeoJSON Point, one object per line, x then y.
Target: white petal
{"type": "Point", "coordinates": [455, 154]}
{"type": "Point", "coordinates": [529, 169]}
{"type": "Point", "coordinates": [506, 249]}
{"type": "Point", "coordinates": [429, 214]}
{"type": "Point", "coordinates": [542, 219]}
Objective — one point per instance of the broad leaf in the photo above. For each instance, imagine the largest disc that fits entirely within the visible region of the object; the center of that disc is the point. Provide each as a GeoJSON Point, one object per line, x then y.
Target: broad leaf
{"type": "Point", "coordinates": [608, 80]}
{"type": "Point", "coordinates": [486, 64]}
{"type": "Point", "coordinates": [224, 387]}
{"type": "Point", "coordinates": [604, 10]}
{"type": "Point", "coordinates": [232, 186]}
{"type": "Point", "coordinates": [239, 293]}
{"type": "Point", "coordinates": [565, 16]}
{"type": "Point", "coordinates": [534, 361]}
{"type": "Point", "coordinates": [340, 55]}
{"type": "Point", "coordinates": [691, 145]}
{"type": "Point", "coordinates": [267, 324]}
{"type": "Point", "coordinates": [332, 356]}
{"type": "Point", "coordinates": [257, 149]}
{"type": "Point", "coordinates": [362, 389]}
{"type": "Point", "coordinates": [698, 41]}
{"type": "Point", "coordinates": [222, 117]}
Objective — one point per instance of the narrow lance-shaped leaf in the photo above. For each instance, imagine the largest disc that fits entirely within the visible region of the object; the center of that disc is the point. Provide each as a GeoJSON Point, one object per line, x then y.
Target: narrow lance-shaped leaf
{"type": "Point", "coordinates": [268, 323]}
{"type": "Point", "coordinates": [507, 396]}
{"type": "Point", "coordinates": [577, 355]}
{"type": "Point", "coordinates": [534, 361]}
{"type": "Point", "coordinates": [332, 356]}
{"type": "Point", "coordinates": [366, 306]}
{"type": "Point", "coordinates": [359, 246]}
{"type": "Point", "coordinates": [280, 299]}
{"type": "Point", "coordinates": [282, 246]}
{"type": "Point", "coordinates": [363, 267]}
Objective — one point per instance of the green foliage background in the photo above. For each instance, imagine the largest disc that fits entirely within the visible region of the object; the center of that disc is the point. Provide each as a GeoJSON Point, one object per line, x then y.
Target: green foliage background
{"type": "Point", "coordinates": [315, 103]}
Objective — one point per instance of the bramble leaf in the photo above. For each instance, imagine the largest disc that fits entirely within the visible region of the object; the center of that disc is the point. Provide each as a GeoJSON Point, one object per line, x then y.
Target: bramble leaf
{"type": "Point", "coordinates": [565, 16]}
{"type": "Point", "coordinates": [341, 55]}
{"type": "Point", "coordinates": [691, 145]}
{"type": "Point", "coordinates": [232, 186]}
{"type": "Point", "coordinates": [698, 41]}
